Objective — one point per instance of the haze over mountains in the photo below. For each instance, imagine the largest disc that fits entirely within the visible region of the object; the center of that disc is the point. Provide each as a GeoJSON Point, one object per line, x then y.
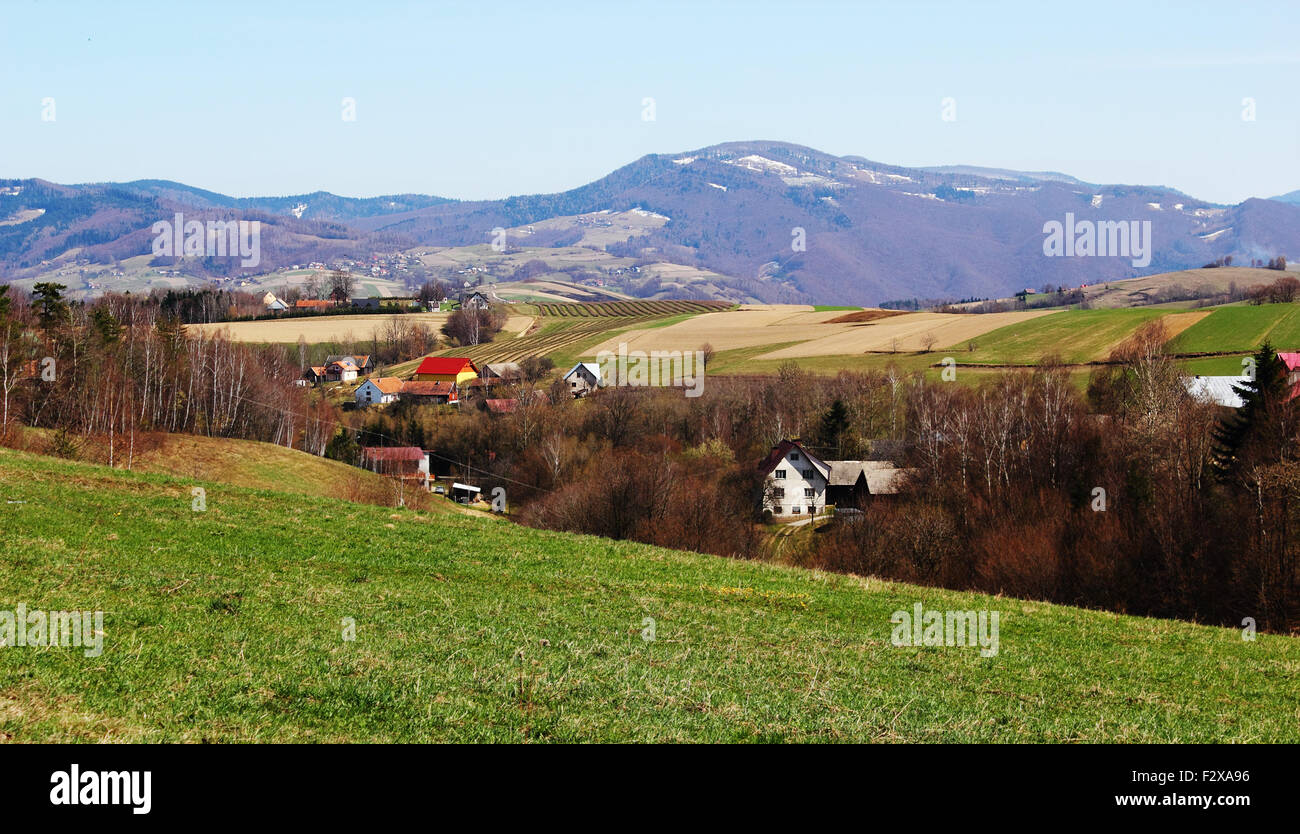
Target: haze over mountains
{"type": "Point", "coordinates": [871, 232]}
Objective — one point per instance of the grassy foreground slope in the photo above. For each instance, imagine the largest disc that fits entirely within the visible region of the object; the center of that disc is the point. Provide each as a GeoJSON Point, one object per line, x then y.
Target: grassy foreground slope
{"type": "Point", "coordinates": [225, 625]}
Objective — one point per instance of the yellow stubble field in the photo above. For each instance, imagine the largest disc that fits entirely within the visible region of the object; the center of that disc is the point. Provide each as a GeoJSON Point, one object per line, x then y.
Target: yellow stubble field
{"type": "Point", "coordinates": [774, 324]}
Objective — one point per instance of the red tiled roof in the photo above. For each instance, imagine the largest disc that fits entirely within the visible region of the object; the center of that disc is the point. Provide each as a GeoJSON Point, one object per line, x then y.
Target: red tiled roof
{"type": "Point", "coordinates": [387, 384]}
{"type": "Point", "coordinates": [778, 454]}
{"type": "Point", "coordinates": [444, 365]}
{"type": "Point", "coordinates": [311, 304]}
{"type": "Point", "coordinates": [428, 388]}
{"type": "Point", "coordinates": [392, 452]}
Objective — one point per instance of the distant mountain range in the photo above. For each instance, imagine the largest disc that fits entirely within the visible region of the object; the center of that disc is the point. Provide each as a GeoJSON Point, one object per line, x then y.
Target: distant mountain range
{"type": "Point", "coordinates": [870, 232]}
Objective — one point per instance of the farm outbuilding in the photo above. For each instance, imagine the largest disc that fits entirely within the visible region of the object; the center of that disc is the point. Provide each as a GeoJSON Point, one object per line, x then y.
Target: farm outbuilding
{"type": "Point", "coordinates": [1220, 390]}
{"type": "Point", "coordinates": [455, 369]}
{"type": "Point", "coordinates": [464, 493]}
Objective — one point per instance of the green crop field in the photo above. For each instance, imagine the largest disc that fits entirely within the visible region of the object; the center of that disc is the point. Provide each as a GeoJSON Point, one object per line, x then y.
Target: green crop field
{"type": "Point", "coordinates": [561, 338]}
{"type": "Point", "coordinates": [1241, 328]}
{"type": "Point", "coordinates": [1074, 335]}
{"type": "Point", "coordinates": [567, 329]}
{"type": "Point", "coordinates": [228, 626]}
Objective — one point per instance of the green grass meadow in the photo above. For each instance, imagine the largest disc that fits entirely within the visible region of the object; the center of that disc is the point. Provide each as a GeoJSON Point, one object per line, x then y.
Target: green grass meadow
{"type": "Point", "coordinates": [1074, 335]}
{"type": "Point", "coordinates": [1241, 329]}
{"type": "Point", "coordinates": [227, 625]}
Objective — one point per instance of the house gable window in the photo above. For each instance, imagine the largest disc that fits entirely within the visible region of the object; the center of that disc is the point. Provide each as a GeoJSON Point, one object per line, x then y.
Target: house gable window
{"type": "Point", "coordinates": [779, 474]}
{"type": "Point", "coordinates": [807, 493]}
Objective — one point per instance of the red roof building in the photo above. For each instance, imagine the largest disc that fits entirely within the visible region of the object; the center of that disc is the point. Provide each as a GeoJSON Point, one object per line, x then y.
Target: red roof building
{"type": "Point", "coordinates": [450, 368]}
{"type": "Point", "coordinates": [400, 461]}
{"type": "Point", "coordinates": [435, 390]}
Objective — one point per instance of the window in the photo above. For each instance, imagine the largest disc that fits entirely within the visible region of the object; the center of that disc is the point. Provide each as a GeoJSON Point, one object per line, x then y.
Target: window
{"type": "Point", "coordinates": [779, 492]}
{"type": "Point", "coordinates": [809, 473]}
{"type": "Point", "coordinates": [779, 474]}
{"type": "Point", "coordinates": [794, 456]}
{"type": "Point", "coordinates": [776, 510]}
{"type": "Point", "coordinates": [795, 509]}
{"type": "Point", "coordinates": [807, 493]}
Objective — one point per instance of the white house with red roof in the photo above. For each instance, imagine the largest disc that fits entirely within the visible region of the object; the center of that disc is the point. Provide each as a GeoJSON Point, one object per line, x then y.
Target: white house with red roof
{"type": "Point", "coordinates": [344, 370]}
{"type": "Point", "coordinates": [794, 481]}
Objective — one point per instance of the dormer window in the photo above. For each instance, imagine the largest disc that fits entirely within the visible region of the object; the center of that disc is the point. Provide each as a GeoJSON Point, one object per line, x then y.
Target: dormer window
{"type": "Point", "coordinates": [794, 456]}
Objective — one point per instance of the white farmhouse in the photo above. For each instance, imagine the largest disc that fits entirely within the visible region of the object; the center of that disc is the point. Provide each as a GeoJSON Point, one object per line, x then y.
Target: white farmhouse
{"type": "Point", "coordinates": [794, 481]}
{"type": "Point", "coordinates": [583, 378]}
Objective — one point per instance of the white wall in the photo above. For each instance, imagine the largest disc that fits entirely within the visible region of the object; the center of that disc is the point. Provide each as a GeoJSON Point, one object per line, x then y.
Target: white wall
{"type": "Point", "coordinates": [795, 483]}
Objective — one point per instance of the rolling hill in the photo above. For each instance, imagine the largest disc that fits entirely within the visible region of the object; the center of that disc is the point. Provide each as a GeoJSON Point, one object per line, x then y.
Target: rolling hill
{"type": "Point", "coordinates": [251, 465]}
{"type": "Point", "coordinates": [727, 217]}
{"type": "Point", "coordinates": [230, 625]}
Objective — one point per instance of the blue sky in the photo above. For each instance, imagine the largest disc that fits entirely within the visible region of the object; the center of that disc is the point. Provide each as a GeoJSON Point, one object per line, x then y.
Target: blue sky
{"type": "Point", "coordinates": [477, 100]}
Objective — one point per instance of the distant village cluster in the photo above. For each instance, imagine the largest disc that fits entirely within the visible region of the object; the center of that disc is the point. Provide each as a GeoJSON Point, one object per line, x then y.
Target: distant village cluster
{"type": "Point", "coordinates": [439, 381]}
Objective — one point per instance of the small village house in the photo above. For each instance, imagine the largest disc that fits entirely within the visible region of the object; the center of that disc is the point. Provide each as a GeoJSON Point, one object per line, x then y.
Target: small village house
{"type": "Point", "coordinates": [378, 391]}
{"type": "Point", "coordinates": [455, 369]}
{"type": "Point", "coordinates": [273, 304]}
{"type": "Point", "coordinates": [474, 301]}
{"type": "Point", "coordinates": [315, 374]}
{"type": "Point", "coordinates": [583, 378]}
{"type": "Point", "coordinates": [365, 365]}
{"type": "Point", "coordinates": [344, 370]}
